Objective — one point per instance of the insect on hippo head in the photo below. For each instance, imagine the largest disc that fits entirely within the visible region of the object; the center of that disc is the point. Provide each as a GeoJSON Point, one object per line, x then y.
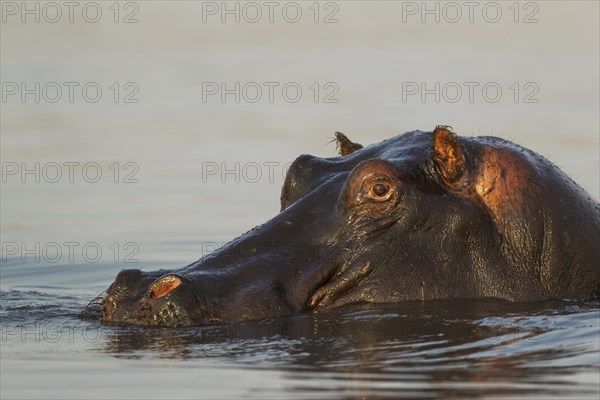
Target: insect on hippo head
{"type": "Point", "coordinates": [423, 215]}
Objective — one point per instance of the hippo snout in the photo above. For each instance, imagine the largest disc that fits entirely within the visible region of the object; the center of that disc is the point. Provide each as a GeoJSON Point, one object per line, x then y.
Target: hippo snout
{"type": "Point", "coordinates": [145, 299]}
{"type": "Point", "coordinates": [163, 286]}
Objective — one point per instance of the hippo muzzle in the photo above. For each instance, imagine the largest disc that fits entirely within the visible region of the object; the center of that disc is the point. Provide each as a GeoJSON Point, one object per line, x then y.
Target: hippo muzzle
{"type": "Point", "coordinates": [139, 298]}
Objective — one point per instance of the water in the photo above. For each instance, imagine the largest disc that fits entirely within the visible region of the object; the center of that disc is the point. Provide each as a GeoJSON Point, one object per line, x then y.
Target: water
{"type": "Point", "coordinates": [412, 350]}
{"type": "Point", "coordinates": [157, 204]}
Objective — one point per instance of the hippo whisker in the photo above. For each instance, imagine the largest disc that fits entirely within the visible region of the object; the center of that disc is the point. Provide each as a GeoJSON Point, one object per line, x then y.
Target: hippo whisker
{"type": "Point", "coordinates": [94, 307]}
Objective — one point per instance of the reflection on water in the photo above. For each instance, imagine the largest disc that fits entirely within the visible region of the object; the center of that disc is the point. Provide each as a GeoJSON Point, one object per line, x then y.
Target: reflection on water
{"type": "Point", "coordinates": [415, 349]}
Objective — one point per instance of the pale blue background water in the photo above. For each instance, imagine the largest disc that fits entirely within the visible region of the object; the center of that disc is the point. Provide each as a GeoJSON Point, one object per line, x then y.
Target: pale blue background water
{"type": "Point", "coordinates": [172, 215]}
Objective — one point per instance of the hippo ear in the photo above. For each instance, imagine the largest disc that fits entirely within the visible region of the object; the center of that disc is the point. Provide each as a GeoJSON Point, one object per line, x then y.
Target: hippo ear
{"type": "Point", "coordinates": [345, 145]}
{"type": "Point", "coordinates": [447, 155]}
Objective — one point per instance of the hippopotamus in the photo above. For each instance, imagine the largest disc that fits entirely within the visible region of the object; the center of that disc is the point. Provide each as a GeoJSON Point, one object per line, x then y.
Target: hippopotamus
{"type": "Point", "coordinates": [420, 216]}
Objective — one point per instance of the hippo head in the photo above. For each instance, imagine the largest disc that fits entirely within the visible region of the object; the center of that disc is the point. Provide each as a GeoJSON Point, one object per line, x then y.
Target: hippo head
{"type": "Point", "coordinates": [423, 215]}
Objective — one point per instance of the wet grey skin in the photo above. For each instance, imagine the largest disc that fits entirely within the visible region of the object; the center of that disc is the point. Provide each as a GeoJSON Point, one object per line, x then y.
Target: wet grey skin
{"type": "Point", "coordinates": [423, 215]}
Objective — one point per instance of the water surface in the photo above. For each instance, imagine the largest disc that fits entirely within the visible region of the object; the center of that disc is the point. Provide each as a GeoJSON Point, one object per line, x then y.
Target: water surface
{"type": "Point", "coordinates": [414, 350]}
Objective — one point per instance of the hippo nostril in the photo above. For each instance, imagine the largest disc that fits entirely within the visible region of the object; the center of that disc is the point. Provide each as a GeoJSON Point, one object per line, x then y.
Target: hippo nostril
{"type": "Point", "coordinates": [164, 285]}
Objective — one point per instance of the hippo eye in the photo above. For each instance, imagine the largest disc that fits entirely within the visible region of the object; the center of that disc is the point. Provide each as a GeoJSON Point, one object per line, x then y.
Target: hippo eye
{"type": "Point", "coordinates": [380, 191]}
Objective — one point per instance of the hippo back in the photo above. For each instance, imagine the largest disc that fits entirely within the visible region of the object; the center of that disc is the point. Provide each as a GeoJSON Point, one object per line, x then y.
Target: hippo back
{"type": "Point", "coordinates": [547, 221]}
